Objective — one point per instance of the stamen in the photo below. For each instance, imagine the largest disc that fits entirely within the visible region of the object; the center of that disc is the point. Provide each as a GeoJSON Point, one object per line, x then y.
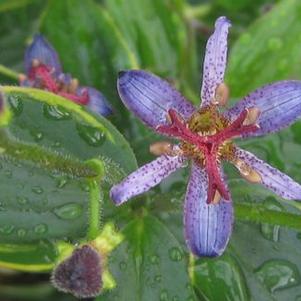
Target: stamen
{"type": "Point", "coordinates": [252, 116]}
{"type": "Point", "coordinates": [161, 148]}
{"type": "Point", "coordinates": [35, 63]}
{"type": "Point", "coordinates": [22, 77]}
{"type": "Point", "coordinates": [73, 85]}
{"type": "Point", "coordinates": [247, 172]}
{"type": "Point", "coordinates": [221, 95]}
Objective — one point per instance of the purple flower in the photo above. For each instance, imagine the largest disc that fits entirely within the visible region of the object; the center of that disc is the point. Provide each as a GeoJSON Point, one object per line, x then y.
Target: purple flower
{"type": "Point", "coordinates": [205, 137]}
{"type": "Point", "coordinates": [43, 71]}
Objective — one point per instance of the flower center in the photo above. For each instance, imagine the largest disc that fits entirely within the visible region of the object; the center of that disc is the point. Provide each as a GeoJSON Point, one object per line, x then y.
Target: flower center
{"type": "Point", "coordinates": [42, 76]}
{"type": "Point", "coordinates": [206, 138]}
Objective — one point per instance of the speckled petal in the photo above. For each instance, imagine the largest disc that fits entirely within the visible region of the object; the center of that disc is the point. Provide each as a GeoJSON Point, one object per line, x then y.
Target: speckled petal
{"type": "Point", "coordinates": [272, 178]}
{"type": "Point", "coordinates": [41, 50]}
{"type": "Point", "coordinates": [279, 104]}
{"type": "Point", "coordinates": [149, 97]}
{"type": "Point", "coordinates": [208, 227]}
{"type": "Point", "coordinates": [215, 60]}
{"type": "Point", "coordinates": [97, 101]}
{"type": "Point", "coordinates": [145, 178]}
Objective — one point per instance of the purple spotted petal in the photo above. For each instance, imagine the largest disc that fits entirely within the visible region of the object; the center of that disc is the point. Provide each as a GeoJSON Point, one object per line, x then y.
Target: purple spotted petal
{"type": "Point", "coordinates": [208, 227]}
{"type": "Point", "coordinates": [149, 97]}
{"type": "Point", "coordinates": [97, 102]}
{"type": "Point", "coordinates": [279, 104]}
{"type": "Point", "coordinates": [145, 178]}
{"type": "Point", "coordinates": [272, 178]}
{"type": "Point", "coordinates": [41, 50]}
{"type": "Point", "coordinates": [215, 60]}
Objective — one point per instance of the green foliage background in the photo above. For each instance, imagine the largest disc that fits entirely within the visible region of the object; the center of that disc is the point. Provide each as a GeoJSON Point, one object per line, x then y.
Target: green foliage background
{"type": "Point", "coordinates": [52, 194]}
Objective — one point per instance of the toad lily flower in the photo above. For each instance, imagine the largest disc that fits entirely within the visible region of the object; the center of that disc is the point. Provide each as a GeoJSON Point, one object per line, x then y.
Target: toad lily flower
{"type": "Point", "coordinates": [205, 137]}
{"type": "Point", "coordinates": [44, 71]}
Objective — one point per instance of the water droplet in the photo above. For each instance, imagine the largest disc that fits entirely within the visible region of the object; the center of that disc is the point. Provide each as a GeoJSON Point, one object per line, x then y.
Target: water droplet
{"type": "Point", "coordinates": [61, 182]}
{"type": "Point", "coordinates": [56, 112]}
{"type": "Point", "coordinates": [163, 295]}
{"type": "Point", "coordinates": [8, 173]}
{"type": "Point", "coordinates": [22, 200]}
{"type": "Point", "coordinates": [84, 187]}
{"type": "Point", "coordinates": [16, 105]}
{"type": "Point", "coordinates": [122, 266]}
{"type": "Point", "coordinates": [158, 278]}
{"type": "Point", "coordinates": [37, 189]}
{"type": "Point", "coordinates": [175, 254]}
{"type": "Point", "coordinates": [56, 144]}
{"type": "Point", "coordinates": [69, 211]}
{"type": "Point", "coordinates": [275, 43]}
{"type": "Point", "coordinates": [37, 135]}
{"type": "Point", "coordinates": [271, 232]}
{"type": "Point", "coordinates": [91, 135]}
{"type": "Point", "coordinates": [154, 259]}
{"type": "Point", "coordinates": [21, 232]}
{"type": "Point", "coordinates": [40, 229]}
{"type": "Point", "coordinates": [278, 274]}
{"type": "Point", "coordinates": [7, 229]}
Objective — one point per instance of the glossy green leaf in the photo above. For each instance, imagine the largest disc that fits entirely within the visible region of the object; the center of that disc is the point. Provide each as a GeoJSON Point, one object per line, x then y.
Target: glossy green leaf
{"type": "Point", "coordinates": [149, 265]}
{"type": "Point", "coordinates": [54, 157]}
{"type": "Point", "coordinates": [268, 51]}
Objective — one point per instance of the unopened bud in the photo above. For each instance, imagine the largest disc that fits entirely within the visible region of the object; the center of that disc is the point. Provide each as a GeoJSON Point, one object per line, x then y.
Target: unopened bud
{"type": "Point", "coordinates": [80, 274]}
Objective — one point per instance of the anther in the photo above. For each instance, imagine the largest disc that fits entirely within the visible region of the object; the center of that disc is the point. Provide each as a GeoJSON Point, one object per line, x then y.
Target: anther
{"type": "Point", "coordinates": [22, 77]}
{"type": "Point", "coordinates": [35, 63]}
{"type": "Point", "coordinates": [161, 148]}
{"type": "Point", "coordinates": [221, 95]}
{"type": "Point", "coordinates": [247, 172]}
{"type": "Point", "coordinates": [73, 85]}
{"type": "Point", "coordinates": [252, 116]}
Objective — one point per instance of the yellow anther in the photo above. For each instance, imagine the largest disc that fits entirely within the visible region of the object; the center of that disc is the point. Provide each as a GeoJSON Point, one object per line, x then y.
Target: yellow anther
{"type": "Point", "coordinates": [221, 95]}
{"type": "Point", "coordinates": [252, 116]}
{"type": "Point", "coordinates": [35, 63]}
{"type": "Point", "coordinates": [161, 148]}
{"type": "Point", "coordinates": [247, 172]}
{"type": "Point", "coordinates": [22, 77]}
{"type": "Point", "coordinates": [73, 85]}
{"type": "Point", "coordinates": [217, 197]}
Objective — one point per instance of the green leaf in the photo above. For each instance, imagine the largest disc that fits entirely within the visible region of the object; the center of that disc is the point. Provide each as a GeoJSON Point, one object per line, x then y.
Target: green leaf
{"type": "Point", "coordinates": [268, 51]}
{"type": "Point", "coordinates": [158, 35]}
{"type": "Point", "coordinates": [54, 156]}
{"type": "Point", "coordinates": [149, 265]}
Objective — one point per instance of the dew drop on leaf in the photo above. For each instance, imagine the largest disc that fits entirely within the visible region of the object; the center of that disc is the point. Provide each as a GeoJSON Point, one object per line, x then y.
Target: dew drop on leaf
{"type": "Point", "coordinates": [69, 211]}
{"type": "Point", "coordinates": [37, 189]}
{"type": "Point", "coordinates": [163, 295]}
{"type": "Point", "coordinates": [21, 232]}
{"type": "Point", "coordinates": [7, 229]}
{"type": "Point", "coordinates": [278, 274]}
{"type": "Point", "coordinates": [271, 232]}
{"type": "Point", "coordinates": [56, 112]}
{"type": "Point", "coordinates": [37, 135]}
{"type": "Point", "coordinates": [122, 266]}
{"type": "Point", "coordinates": [91, 135]}
{"type": "Point", "coordinates": [158, 278]}
{"type": "Point", "coordinates": [175, 254]}
{"type": "Point", "coordinates": [40, 229]}
{"type": "Point", "coordinates": [16, 105]}
{"type": "Point", "coordinates": [154, 259]}
{"type": "Point", "coordinates": [22, 200]}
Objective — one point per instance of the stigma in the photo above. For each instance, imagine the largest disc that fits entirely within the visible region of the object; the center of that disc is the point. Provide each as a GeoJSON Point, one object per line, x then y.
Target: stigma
{"type": "Point", "coordinates": [45, 77]}
{"type": "Point", "coordinates": [206, 138]}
